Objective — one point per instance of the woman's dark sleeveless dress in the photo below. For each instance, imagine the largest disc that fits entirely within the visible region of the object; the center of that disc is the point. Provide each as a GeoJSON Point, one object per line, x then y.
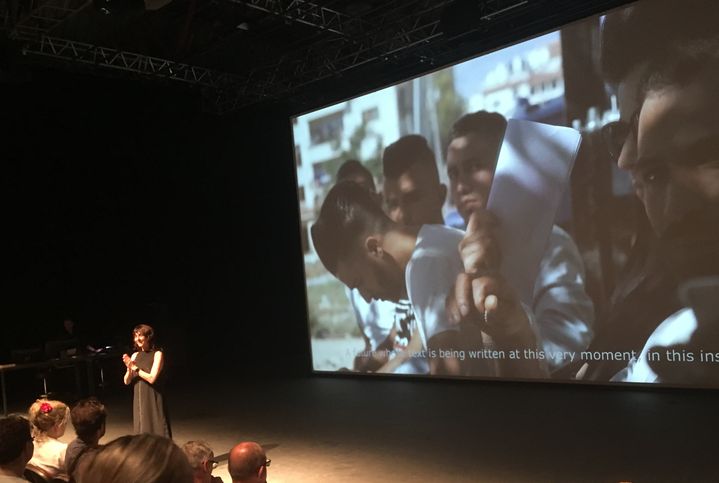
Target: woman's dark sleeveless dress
{"type": "Point", "coordinates": [149, 412]}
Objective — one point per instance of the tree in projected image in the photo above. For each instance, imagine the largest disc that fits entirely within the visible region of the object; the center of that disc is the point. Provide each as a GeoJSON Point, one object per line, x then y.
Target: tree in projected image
{"type": "Point", "coordinates": [450, 105]}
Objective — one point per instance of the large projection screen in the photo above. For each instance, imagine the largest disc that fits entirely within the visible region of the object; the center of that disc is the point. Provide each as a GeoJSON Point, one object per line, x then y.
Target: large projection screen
{"type": "Point", "coordinates": [546, 211]}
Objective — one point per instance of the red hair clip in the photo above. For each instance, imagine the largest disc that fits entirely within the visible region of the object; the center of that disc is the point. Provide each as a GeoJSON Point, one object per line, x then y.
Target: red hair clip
{"type": "Point", "coordinates": [45, 408]}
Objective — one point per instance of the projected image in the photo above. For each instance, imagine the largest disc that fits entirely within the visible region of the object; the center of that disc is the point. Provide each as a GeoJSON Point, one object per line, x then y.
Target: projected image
{"type": "Point", "coordinates": [546, 211]}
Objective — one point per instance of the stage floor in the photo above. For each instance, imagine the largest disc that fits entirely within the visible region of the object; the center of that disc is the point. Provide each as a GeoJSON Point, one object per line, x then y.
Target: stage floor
{"type": "Point", "coordinates": [364, 430]}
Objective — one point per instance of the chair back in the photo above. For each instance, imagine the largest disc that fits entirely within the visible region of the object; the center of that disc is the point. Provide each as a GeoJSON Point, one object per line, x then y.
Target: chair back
{"type": "Point", "coordinates": [36, 475]}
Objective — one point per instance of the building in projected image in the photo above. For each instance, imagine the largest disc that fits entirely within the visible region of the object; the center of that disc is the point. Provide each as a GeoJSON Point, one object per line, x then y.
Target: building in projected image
{"type": "Point", "coordinates": [359, 128]}
{"type": "Point", "coordinates": [531, 78]}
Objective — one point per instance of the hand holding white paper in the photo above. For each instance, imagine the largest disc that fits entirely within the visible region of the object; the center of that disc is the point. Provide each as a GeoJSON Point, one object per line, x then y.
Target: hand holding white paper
{"type": "Point", "coordinates": [531, 178]}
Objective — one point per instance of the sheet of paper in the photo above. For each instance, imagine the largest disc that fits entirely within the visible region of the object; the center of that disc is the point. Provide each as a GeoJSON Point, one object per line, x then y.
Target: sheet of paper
{"type": "Point", "coordinates": [531, 178]}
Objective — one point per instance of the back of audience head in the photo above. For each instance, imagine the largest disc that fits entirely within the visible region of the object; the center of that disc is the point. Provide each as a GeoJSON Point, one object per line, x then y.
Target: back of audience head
{"type": "Point", "coordinates": [48, 418]}
{"type": "Point", "coordinates": [475, 141]}
{"type": "Point", "coordinates": [412, 191]}
{"type": "Point", "coordinates": [248, 463]}
{"type": "Point", "coordinates": [16, 447]}
{"type": "Point", "coordinates": [201, 459]}
{"type": "Point", "coordinates": [88, 417]}
{"type": "Point", "coordinates": [145, 458]}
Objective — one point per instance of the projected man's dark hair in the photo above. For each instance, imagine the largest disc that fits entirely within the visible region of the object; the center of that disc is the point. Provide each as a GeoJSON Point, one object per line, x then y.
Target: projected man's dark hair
{"type": "Point", "coordinates": [351, 168]}
{"type": "Point", "coordinates": [645, 31]}
{"type": "Point", "coordinates": [683, 63]}
{"type": "Point", "coordinates": [404, 153]}
{"type": "Point", "coordinates": [480, 122]}
{"type": "Point", "coordinates": [347, 214]}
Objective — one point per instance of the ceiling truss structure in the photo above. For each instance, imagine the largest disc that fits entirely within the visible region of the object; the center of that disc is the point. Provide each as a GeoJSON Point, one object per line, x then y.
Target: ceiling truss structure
{"type": "Point", "coordinates": [84, 53]}
{"type": "Point", "coordinates": [387, 32]}
{"type": "Point", "coordinates": [406, 29]}
{"type": "Point", "coordinates": [357, 43]}
{"type": "Point", "coordinates": [306, 13]}
{"type": "Point", "coordinates": [28, 20]}
{"type": "Point", "coordinates": [351, 41]}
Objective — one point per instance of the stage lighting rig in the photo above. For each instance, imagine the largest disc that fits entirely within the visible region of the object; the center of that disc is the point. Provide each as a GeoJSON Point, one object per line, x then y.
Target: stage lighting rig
{"type": "Point", "coordinates": [115, 7]}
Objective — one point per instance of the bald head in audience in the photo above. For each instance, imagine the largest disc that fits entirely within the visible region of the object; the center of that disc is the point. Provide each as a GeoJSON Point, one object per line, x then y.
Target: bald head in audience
{"type": "Point", "coordinates": [248, 463]}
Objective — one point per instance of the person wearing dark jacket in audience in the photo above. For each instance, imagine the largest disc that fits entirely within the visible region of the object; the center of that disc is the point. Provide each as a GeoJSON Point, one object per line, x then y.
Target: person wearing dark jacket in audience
{"type": "Point", "coordinates": [88, 417]}
{"type": "Point", "coordinates": [16, 448]}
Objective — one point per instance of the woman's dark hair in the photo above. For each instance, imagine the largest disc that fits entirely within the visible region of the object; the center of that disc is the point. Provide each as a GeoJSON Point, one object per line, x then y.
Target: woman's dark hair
{"type": "Point", "coordinates": [147, 331]}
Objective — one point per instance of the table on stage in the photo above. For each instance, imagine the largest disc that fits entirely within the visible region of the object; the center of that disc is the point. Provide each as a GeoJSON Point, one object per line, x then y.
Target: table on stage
{"type": "Point", "coordinates": [77, 362]}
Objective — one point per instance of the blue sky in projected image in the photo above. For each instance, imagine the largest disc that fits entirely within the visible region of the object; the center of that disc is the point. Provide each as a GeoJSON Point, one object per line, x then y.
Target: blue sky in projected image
{"type": "Point", "coordinates": [469, 75]}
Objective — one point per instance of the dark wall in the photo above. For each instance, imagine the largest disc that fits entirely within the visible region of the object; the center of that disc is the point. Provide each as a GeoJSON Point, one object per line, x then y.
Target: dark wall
{"type": "Point", "coordinates": [126, 204]}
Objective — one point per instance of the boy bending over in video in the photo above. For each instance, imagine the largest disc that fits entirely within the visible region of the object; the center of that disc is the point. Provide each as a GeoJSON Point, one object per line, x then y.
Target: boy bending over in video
{"type": "Point", "coordinates": [364, 249]}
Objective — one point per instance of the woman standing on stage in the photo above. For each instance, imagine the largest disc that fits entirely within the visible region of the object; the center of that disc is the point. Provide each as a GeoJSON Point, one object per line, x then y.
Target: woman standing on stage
{"type": "Point", "coordinates": [144, 372]}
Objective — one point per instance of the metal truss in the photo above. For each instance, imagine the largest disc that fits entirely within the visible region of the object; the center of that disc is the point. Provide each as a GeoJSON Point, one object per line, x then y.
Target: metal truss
{"type": "Point", "coordinates": [397, 30]}
{"type": "Point", "coordinates": [83, 53]}
{"type": "Point", "coordinates": [494, 8]}
{"type": "Point", "coordinates": [391, 34]}
{"type": "Point", "coordinates": [28, 20]}
{"type": "Point", "coordinates": [407, 30]}
{"type": "Point", "coordinates": [305, 13]}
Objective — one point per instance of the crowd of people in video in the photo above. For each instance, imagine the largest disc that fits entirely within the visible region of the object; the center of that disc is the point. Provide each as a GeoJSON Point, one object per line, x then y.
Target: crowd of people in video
{"type": "Point", "coordinates": [426, 296]}
{"type": "Point", "coordinates": [31, 450]}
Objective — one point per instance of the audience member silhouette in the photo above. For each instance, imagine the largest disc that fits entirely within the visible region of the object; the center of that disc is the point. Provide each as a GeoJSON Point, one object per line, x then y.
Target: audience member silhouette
{"type": "Point", "coordinates": [16, 448]}
{"type": "Point", "coordinates": [48, 420]}
{"type": "Point", "coordinates": [88, 417]}
{"type": "Point", "coordinates": [248, 463]}
{"type": "Point", "coordinates": [202, 461]}
{"type": "Point", "coordinates": [145, 458]}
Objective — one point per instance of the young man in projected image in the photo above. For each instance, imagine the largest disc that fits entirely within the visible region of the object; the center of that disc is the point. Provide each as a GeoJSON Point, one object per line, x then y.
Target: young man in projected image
{"type": "Point", "coordinates": [385, 326]}
{"type": "Point", "coordinates": [365, 250]}
{"type": "Point", "coordinates": [633, 40]}
{"type": "Point", "coordinates": [667, 147]}
{"type": "Point", "coordinates": [672, 154]}
{"type": "Point", "coordinates": [562, 315]}
{"type": "Point", "coordinates": [414, 196]}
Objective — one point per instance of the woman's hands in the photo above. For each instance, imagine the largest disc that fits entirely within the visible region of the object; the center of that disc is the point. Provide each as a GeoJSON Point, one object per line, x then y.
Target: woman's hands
{"type": "Point", "coordinates": [129, 363]}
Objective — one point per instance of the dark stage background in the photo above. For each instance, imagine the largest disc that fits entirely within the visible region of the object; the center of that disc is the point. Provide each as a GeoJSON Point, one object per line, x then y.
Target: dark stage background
{"type": "Point", "coordinates": [126, 204]}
